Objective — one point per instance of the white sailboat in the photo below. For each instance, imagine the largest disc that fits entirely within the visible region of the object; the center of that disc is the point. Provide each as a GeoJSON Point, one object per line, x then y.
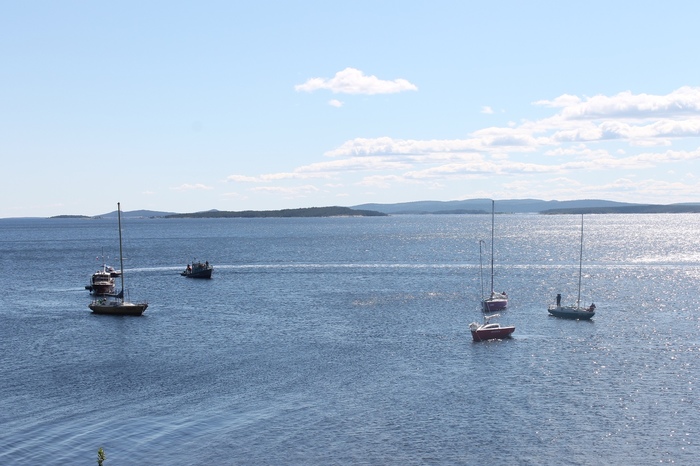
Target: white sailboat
{"type": "Point", "coordinates": [574, 311]}
{"type": "Point", "coordinates": [117, 306]}
{"type": "Point", "coordinates": [496, 301]}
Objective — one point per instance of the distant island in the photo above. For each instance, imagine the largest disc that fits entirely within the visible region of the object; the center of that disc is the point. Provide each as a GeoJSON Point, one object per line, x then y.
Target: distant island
{"type": "Point", "coordinates": [463, 207]}
{"type": "Point", "coordinates": [286, 213]}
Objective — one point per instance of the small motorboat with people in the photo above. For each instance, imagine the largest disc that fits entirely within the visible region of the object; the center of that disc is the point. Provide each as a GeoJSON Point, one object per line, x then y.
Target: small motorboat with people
{"type": "Point", "coordinates": [112, 271]}
{"type": "Point", "coordinates": [198, 270]}
{"type": "Point", "coordinates": [490, 330]}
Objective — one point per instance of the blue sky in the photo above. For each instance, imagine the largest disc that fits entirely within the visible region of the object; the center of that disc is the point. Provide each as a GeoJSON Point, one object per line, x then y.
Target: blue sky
{"type": "Point", "coordinates": [190, 106]}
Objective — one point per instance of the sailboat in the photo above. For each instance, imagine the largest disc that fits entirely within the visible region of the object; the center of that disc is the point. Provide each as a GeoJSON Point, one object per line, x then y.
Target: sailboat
{"type": "Point", "coordinates": [496, 301]}
{"type": "Point", "coordinates": [117, 306]}
{"type": "Point", "coordinates": [574, 311]}
{"type": "Point", "coordinates": [489, 330]}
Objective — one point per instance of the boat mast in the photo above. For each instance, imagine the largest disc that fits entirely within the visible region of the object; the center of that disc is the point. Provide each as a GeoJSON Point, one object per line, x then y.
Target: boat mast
{"type": "Point", "coordinates": [493, 207]}
{"type": "Point", "coordinates": [481, 270]}
{"type": "Point", "coordinates": [121, 256]}
{"type": "Point", "coordinates": [580, 267]}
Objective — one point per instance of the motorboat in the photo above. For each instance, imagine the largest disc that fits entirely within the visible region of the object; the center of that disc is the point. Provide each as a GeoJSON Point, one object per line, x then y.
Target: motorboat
{"type": "Point", "coordinates": [101, 282]}
{"type": "Point", "coordinates": [112, 271]}
{"type": "Point", "coordinates": [198, 270]}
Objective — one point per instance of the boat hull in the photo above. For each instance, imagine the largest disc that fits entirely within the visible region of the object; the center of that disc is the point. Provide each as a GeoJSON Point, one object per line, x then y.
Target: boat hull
{"type": "Point", "coordinates": [198, 270]}
{"type": "Point", "coordinates": [198, 273]}
{"type": "Point", "coordinates": [117, 308]}
{"type": "Point", "coordinates": [494, 304]}
{"type": "Point", "coordinates": [492, 333]}
{"type": "Point", "coordinates": [571, 312]}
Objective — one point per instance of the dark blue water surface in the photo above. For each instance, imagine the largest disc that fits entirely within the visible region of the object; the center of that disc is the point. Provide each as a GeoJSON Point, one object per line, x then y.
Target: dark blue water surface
{"type": "Point", "coordinates": [345, 341]}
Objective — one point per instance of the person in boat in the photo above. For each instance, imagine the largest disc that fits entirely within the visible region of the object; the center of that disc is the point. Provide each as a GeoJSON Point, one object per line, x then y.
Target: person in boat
{"type": "Point", "coordinates": [207, 264]}
{"type": "Point", "coordinates": [592, 308]}
{"type": "Point", "coordinates": [558, 300]}
{"type": "Point", "coordinates": [189, 268]}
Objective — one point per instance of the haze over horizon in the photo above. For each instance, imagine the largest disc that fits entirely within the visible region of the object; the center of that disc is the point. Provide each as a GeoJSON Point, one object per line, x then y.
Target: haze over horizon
{"type": "Point", "coordinates": [237, 106]}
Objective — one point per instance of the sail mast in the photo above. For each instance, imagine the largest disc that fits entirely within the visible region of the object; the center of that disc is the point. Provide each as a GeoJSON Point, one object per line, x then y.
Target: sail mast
{"type": "Point", "coordinates": [493, 207]}
{"type": "Point", "coordinates": [481, 270]}
{"type": "Point", "coordinates": [580, 267]}
{"type": "Point", "coordinates": [121, 255]}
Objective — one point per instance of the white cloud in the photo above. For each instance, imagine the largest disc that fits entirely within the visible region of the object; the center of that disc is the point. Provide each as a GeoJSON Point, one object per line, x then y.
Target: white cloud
{"type": "Point", "coordinates": [584, 136]}
{"type": "Point", "coordinates": [380, 181]}
{"type": "Point", "coordinates": [243, 179]}
{"type": "Point", "coordinates": [335, 103]}
{"type": "Point", "coordinates": [623, 189]}
{"type": "Point", "coordinates": [289, 192]}
{"type": "Point", "coordinates": [354, 81]}
{"type": "Point", "coordinates": [565, 100]}
{"type": "Point", "coordinates": [683, 101]}
{"type": "Point", "coordinates": [487, 110]}
{"type": "Point", "coordinates": [629, 120]}
{"type": "Point", "coordinates": [354, 164]}
{"type": "Point", "coordinates": [234, 196]}
{"type": "Point", "coordinates": [389, 146]}
{"type": "Point", "coordinates": [192, 187]}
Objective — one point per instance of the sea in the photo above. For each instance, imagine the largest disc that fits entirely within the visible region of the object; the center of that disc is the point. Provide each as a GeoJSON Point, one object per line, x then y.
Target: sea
{"type": "Point", "coordinates": [334, 341]}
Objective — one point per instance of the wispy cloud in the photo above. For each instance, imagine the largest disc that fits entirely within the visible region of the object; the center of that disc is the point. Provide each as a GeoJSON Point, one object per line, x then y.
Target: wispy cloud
{"type": "Point", "coordinates": [354, 81]}
{"type": "Point", "coordinates": [638, 120]}
{"type": "Point", "coordinates": [289, 192]}
{"type": "Point", "coordinates": [607, 134]}
{"type": "Point", "coordinates": [335, 103]}
{"type": "Point", "coordinates": [192, 187]}
{"type": "Point", "coordinates": [234, 196]}
{"type": "Point", "coordinates": [624, 189]}
{"type": "Point", "coordinates": [244, 179]}
{"type": "Point", "coordinates": [683, 101]}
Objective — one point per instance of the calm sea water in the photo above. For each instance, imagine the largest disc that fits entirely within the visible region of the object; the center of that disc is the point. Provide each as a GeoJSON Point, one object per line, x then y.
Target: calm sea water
{"type": "Point", "coordinates": [346, 341]}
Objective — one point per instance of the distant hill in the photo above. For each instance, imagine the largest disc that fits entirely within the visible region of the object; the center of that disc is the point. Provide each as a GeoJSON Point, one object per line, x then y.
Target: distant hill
{"type": "Point", "coordinates": [137, 214]}
{"type": "Point", "coordinates": [632, 209]}
{"type": "Point", "coordinates": [304, 212]}
{"type": "Point", "coordinates": [481, 206]}
{"type": "Point", "coordinates": [464, 207]}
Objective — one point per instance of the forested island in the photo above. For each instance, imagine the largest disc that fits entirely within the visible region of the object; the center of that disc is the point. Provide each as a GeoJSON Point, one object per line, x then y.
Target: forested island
{"type": "Point", "coordinates": [303, 212]}
{"type": "Point", "coordinates": [465, 207]}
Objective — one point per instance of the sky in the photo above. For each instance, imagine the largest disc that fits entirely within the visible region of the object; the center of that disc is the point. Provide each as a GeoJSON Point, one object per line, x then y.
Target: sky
{"type": "Point", "coordinates": [261, 105]}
